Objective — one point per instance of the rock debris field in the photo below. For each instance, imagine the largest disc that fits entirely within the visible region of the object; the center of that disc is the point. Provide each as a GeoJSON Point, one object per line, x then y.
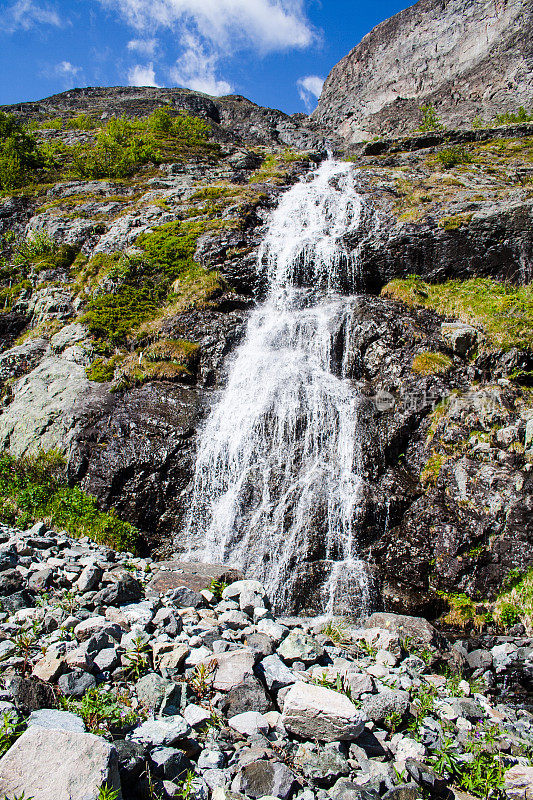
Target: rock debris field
{"type": "Point", "coordinates": [124, 678]}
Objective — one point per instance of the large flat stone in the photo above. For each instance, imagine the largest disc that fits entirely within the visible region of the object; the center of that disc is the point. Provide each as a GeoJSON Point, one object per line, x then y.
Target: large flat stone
{"type": "Point", "coordinates": [173, 574]}
{"type": "Point", "coordinates": [58, 765]}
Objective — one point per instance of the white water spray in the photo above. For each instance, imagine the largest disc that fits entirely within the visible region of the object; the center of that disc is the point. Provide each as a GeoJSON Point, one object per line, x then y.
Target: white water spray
{"type": "Point", "coordinates": [277, 486]}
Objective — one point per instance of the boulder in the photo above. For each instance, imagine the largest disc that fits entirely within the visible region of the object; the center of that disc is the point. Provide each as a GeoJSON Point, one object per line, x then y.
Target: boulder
{"type": "Point", "coordinates": [415, 631]}
{"type": "Point", "coordinates": [518, 783]}
{"type": "Point", "coordinates": [314, 712]}
{"type": "Point", "coordinates": [379, 706]}
{"type": "Point", "coordinates": [59, 765]}
{"type": "Point", "coordinates": [250, 723]}
{"type": "Point", "coordinates": [248, 696]}
{"type": "Point", "coordinates": [164, 732]}
{"type": "Point", "coordinates": [232, 668]}
{"type": "Point", "coordinates": [266, 779]}
{"type": "Point", "coordinates": [52, 719]}
{"type": "Point", "coordinates": [275, 674]}
{"type": "Point", "coordinates": [461, 338]}
{"type": "Point", "coordinates": [299, 646]}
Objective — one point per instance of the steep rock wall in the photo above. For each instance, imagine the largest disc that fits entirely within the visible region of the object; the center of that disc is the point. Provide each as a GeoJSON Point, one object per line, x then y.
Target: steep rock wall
{"type": "Point", "coordinates": [470, 58]}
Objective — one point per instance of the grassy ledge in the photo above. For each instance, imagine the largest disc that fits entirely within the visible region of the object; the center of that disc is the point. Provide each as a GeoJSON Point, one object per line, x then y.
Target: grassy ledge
{"type": "Point", "coordinates": [502, 311]}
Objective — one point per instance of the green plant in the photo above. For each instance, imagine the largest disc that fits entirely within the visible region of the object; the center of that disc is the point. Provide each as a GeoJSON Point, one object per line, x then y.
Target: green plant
{"type": "Point", "coordinates": [503, 311]}
{"type": "Point", "coordinates": [25, 643]}
{"type": "Point", "coordinates": [137, 659]}
{"type": "Point", "coordinates": [453, 156]}
{"type": "Point", "coordinates": [201, 680]}
{"type": "Point", "coordinates": [430, 120]}
{"type": "Point", "coordinates": [10, 730]}
{"type": "Point", "coordinates": [367, 649]}
{"type": "Point", "coordinates": [101, 371]}
{"type": "Point", "coordinates": [186, 789]}
{"type": "Point", "coordinates": [101, 710]}
{"type": "Point", "coordinates": [339, 684]}
{"type": "Point", "coordinates": [429, 474]}
{"type": "Point", "coordinates": [107, 793]}
{"type": "Point", "coordinates": [392, 721]}
{"type": "Point", "coordinates": [37, 488]}
{"type": "Point", "coordinates": [445, 758]}
{"type": "Point", "coordinates": [335, 630]}
{"type": "Point", "coordinates": [508, 615]}
{"type": "Point", "coordinates": [512, 118]}
{"type": "Point", "coordinates": [217, 587]}
{"type": "Point", "coordinates": [19, 153]}
{"type": "Point", "coordinates": [422, 704]}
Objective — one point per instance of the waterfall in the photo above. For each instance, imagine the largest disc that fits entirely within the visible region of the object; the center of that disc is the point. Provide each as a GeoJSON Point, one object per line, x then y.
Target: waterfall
{"type": "Point", "coordinates": [277, 486]}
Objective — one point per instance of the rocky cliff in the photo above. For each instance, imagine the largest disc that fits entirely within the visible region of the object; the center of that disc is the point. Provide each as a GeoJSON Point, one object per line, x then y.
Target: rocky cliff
{"type": "Point", "coordinates": [123, 293]}
{"type": "Point", "coordinates": [470, 60]}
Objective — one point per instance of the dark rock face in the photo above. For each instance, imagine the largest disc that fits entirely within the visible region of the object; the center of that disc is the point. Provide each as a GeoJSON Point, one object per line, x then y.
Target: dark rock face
{"type": "Point", "coordinates": [467, 59]}
{"type": "Point", "coordinates": [133, 452]}
{"type": "Point", "coordinates": [231, 117]}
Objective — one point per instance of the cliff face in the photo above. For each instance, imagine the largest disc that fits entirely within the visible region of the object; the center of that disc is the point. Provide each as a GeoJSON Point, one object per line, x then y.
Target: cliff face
{"type": "Point", "coordinates": [119, 381]}
{"type": "Point", "coordinates": [468, 58]}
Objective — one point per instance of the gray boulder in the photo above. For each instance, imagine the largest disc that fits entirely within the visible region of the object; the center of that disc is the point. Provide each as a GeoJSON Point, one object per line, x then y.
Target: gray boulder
{"type": "Point", "coordinates": [59, 765]}
{"type": "Point", "coordinates": [265, 778]}
{"type": "Point", "coordinates": [52, 719]}
{"type": "Point", "coordinates": [314, 712]}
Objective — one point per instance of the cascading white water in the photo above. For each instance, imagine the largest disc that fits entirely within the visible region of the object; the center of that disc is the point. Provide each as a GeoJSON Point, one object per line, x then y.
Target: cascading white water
{"type": "Point", "coordinates": [277, 484]}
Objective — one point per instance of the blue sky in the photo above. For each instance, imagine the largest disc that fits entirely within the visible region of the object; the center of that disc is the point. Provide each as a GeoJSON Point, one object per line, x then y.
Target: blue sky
{"type": "Point", "coordinates": [276, 52]}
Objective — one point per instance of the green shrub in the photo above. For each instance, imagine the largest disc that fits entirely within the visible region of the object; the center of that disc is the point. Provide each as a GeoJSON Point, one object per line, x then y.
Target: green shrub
{"type": "Point", "coordinates": [19, 154]}
{"type": "Point", "coordinates": [510, 118]}
{"type": "Point", "coordinates": [35, 487]}
{"type": "Point", "coordinates": [101, 371]}
{"type": "Point", "coordinates": [430, 120]}
{"type": "Point", "coordinates": [81, 122]}
{"type": "Point", "coordinates": [431, 470]}
{"type": "Point", "coordinates": [453, 156]}
{"type": "Point", "coordinates": [114, 315]}
{"type": "Point", "coordinates": [102, 711]}
{"type": "Point", "coordinates": [118, 151]}
{"type": "Point", "coordinates": [508, 615]}
{"type": "Point", "coordinates": [427, 363]}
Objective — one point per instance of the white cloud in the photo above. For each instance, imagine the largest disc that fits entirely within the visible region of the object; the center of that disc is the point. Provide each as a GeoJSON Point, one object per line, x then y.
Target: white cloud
{"type": "Point", "coordinates": [196, 69]}
{"type": "Point", "coordinates": [267, 25]}
{"type": "Point", "coordinates": [146, 47]}
{"type": "Point", "coordinates": [142, 76]}
{"type": "Point", "coordinates": [309, 87]}
{"type": "Point", "coordinates": [65, 69]}
{"type": "Point", "coordinates": [25, 14]}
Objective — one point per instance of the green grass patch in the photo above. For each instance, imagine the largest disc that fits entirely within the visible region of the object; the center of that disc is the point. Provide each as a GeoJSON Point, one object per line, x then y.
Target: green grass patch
{"type": "Point", "coordinates": [35, 488]}
{"type": "Point", "coordinates": [427, 363]}
{"type": "Point", "coordinates": [504, 312]}
{"type": "Point", "coordinates": [431, 471]}
{"type": "Point", "coordinates": [515, 602]}
{"type": "Point", "coordinates": [454, 222]}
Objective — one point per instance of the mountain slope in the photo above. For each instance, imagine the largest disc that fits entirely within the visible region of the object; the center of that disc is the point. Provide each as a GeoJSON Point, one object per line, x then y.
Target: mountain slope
{"type": "Point", "coordinates": [468, 58]}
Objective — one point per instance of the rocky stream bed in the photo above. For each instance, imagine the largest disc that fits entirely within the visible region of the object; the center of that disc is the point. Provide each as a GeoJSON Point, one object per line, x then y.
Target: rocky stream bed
{"type": "Point", "coordinates": [127, 678]}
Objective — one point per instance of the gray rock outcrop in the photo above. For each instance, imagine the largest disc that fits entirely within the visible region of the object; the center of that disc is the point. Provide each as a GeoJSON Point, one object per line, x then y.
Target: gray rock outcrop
{"type": "Point", "coordinates": [468, 59]}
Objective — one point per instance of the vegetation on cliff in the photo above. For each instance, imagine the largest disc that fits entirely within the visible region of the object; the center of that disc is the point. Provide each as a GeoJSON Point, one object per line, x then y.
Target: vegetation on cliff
{"type": "Point", "coordinates": [35, 488]}
{"type": "Point", "coordinates": [504, 312]}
